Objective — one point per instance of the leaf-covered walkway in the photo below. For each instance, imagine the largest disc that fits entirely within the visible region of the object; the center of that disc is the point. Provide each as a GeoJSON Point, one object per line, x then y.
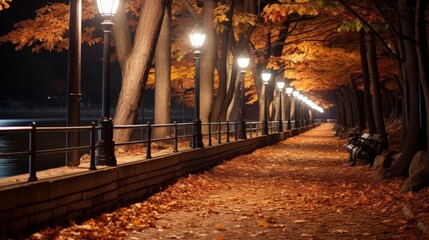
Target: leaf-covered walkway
{"type": "Point", "coordinates": [301, 188]}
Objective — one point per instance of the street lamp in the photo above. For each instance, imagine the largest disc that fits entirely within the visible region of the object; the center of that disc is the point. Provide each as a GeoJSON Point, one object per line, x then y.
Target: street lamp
{"type": "Point", "coordinates": [280, 86]}
{"type": "Point", "coordinates": [295, 95]}
{"type": "Point", "coordinates": [197, 38]}
{"type": "Point", "coordinates": [106, 151]}
{"type": "Point", "coordinates": [266, 76]}
{"type": "Point", "coordinates": [243, 63]}
{"type": "Point", "coordinates": [289, 91]}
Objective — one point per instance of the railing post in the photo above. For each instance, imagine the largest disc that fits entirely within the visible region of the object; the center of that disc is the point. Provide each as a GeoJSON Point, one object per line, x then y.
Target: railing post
{"type": "Point", "coordinates": [227, 131]}
{"type": "Point", "coordinates": [257, 129]}
{"type": "Point", "coordinates": [210, 133]}
{"type": "Point", "coordinates": [236, 130]}
{"type": "Point", "coordinates": [175, 137]}
{"type": "Point", "coordinates": [32, 156]}
{"type": "Point", "coordinates": [219, 126]}
{"type": "Point", "coordinates": [251, 129]}
{"type": "Point", "coordinates": [92, 133]}
{"type": "Point", "coordinates": [149, 140]}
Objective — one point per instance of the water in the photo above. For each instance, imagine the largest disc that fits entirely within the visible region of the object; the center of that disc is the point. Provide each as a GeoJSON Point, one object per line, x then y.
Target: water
{"type": "Point", "coordinates": [13, 142]}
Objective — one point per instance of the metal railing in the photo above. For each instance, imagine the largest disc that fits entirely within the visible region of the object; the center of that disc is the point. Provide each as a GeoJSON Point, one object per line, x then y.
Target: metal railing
{"type": "Point", "coordinates": [220, 132]}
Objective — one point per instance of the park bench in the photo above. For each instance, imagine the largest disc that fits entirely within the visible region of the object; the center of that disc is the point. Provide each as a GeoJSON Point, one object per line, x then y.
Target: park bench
{"type": "Point", "coordinates": [367, 146]}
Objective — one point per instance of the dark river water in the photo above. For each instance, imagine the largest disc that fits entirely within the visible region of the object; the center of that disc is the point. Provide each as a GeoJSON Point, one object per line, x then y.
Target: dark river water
{"type": "Point", "coordinates": [12, 142]}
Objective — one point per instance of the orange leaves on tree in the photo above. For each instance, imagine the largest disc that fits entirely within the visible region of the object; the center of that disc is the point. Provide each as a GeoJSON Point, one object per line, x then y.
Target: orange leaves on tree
{"type": "Point", "coordinates": [278, 12]}
{"type": "Point", "coordinates": [220, 17]}
{"type": "Point", "coordinates": [4, 4]}
{"type": "Point", "coordinates": [49, 28]}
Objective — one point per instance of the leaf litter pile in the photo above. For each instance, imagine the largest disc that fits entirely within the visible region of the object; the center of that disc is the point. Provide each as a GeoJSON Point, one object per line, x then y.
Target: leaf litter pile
{"type": "Point", "coordinates": [300, 188]}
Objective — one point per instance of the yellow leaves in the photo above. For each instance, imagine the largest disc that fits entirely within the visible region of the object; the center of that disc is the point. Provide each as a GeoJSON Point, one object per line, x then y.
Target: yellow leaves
{"type": "Point", "coordinates": [4, 4]}
{"type": "Point", "coordinates": [49, 28]}
{"type": "Point", "coordinates": [220, 17]}
{"type": "Point", "coordinates": [275, 62]}
{"type": "Point", "coordinates": [277, 13]}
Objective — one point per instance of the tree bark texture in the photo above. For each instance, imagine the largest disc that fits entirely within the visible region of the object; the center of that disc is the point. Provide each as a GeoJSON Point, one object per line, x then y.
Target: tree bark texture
{"type": "Point", "coordinates": [411, 144]}
{"type": "Point", "coordinates": [366, 84]}
{"type": "Point", "coordinates": [375, 83]}
{"type": "Point", "coordinates": [136, 67]}
{"type": "Point", "coordinates": [162, 107]}
{"type": "Point", "coordinates": [208, 60]}
{"type": "Point", "coordinates": [223, 67]}
{"type": "Point", "coordinates": [422, 57]}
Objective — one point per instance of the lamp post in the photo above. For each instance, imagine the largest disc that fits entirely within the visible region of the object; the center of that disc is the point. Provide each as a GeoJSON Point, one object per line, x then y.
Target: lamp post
{"type": "Point", "coordinates": [305, 110]}
{"type": "Point", "coordinates": [289, 91]}
{"type": "Point", "coordinates": [243, 63]}
{"type": "Point", "coordinates": [280, 86]}
{"type": "Point", "coordinates": [197, 38]}
{"type": "Point", "coordinates": [295, 95]}
{"type": "Point", "coordinates": [266, 76]}
{"type": "Point", "coordinates": [300, 96]}
{"type": "Point", "coordinates": [106, 151]}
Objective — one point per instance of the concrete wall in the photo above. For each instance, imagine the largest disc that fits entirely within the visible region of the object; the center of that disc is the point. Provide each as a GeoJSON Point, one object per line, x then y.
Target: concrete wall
{"type": "Point", "coordinates": [34, 204]}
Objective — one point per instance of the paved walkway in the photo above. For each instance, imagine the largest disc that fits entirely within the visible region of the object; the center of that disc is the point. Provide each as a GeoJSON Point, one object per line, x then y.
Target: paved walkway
{"type": "Point", "coordinates": [301, 188]}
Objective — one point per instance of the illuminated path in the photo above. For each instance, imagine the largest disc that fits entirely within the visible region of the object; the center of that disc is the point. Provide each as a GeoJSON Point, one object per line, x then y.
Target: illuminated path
{"type": "Point", "coordinates": [301, 188]}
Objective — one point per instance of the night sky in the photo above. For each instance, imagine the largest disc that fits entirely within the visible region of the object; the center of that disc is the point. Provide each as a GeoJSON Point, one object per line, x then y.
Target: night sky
{"type": "Point", "coordinates": [40, 79]}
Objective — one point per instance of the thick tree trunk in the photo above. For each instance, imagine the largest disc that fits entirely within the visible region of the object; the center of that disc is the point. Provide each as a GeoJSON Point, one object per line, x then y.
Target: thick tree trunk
{"type": "Point", "coordinates": [208, 60]}
{"type": "Point", "coordinates": [163, 76]}
{"type": "Point", "coordinates": [348, 108]}
{"type": "Point", "coordinates": [223, 67]}
{"type": "Point", "coordinates": [341, 116]}
{"type": "Point", "coordinates": [136, 67]}
{"type": "Point", "coordinates": [366, 85]}
{"type": "Point", "coordinates": [375, 83]}
{"type": "Point", "coordinates": [422, 57]}
{"type": "Point", "coordinates": [411, 146]}
{"type": "Point", "coordinates": [122, 35]}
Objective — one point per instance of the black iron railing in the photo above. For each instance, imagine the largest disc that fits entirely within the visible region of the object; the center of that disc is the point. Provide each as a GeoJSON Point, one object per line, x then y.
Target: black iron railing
{"type": "Point", "coordinates": [220, 132]}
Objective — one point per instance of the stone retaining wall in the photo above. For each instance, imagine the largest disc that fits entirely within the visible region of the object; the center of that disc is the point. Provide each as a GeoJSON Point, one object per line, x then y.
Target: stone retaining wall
{"type": "Point", "coordinates": [74, 196]}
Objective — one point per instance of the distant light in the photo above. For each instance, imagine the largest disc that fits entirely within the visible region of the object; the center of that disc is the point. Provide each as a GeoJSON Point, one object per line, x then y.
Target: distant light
{"type": "Point", "coordinates": [266, 76]}
{"type": "Point", "coordinates": [295, 93]}
{"type": "Point", "coordinates": [243, 61]}
{"type": "Point", "coordinates": [280, 85]}
{"type": "Point", "coordinates": [197, 37]}
{"type": "Point", "coordinates": [289, 90]}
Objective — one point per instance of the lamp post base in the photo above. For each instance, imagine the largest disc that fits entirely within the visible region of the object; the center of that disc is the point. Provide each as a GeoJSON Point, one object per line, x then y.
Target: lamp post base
{"type": "Point", "coordinates": [105, 153]}
{"type": "Point", "coordinates": [197, 138]}
{"type": "Point", "coordinates": [242, 132]}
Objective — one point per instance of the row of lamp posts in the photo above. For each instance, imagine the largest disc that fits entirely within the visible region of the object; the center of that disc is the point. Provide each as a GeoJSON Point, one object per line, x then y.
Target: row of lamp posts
{"type": "Point", "coordinates": [106, 155]}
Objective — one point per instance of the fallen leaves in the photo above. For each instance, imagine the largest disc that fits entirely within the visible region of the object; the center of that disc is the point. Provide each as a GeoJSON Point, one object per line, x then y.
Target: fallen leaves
{"type": "Point", "coordinates": [299, 187]}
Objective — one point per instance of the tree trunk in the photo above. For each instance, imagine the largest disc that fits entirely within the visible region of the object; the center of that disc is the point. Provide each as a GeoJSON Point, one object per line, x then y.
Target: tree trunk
{"type": "Point", "coordinates": [411, 146]}
{"type": "Point", "coordinates": [223, 66]}
{"type": "Point", "coordinates": [421, 46]}
{"type": "Point", "coordinates": [348, 108]}
{"type": "Point", "coordinates": [208, 59]}
{"type": "Point", "coordinates": [375, 83]}
{"type": "Point", "coordinates": [136, 67]}
{"type": "Point", "coordinates": [340, 108]}
{"type": "Point", "coordinates": [366, 87]}
{"type": "Point", "coordinates": [163, 76]}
